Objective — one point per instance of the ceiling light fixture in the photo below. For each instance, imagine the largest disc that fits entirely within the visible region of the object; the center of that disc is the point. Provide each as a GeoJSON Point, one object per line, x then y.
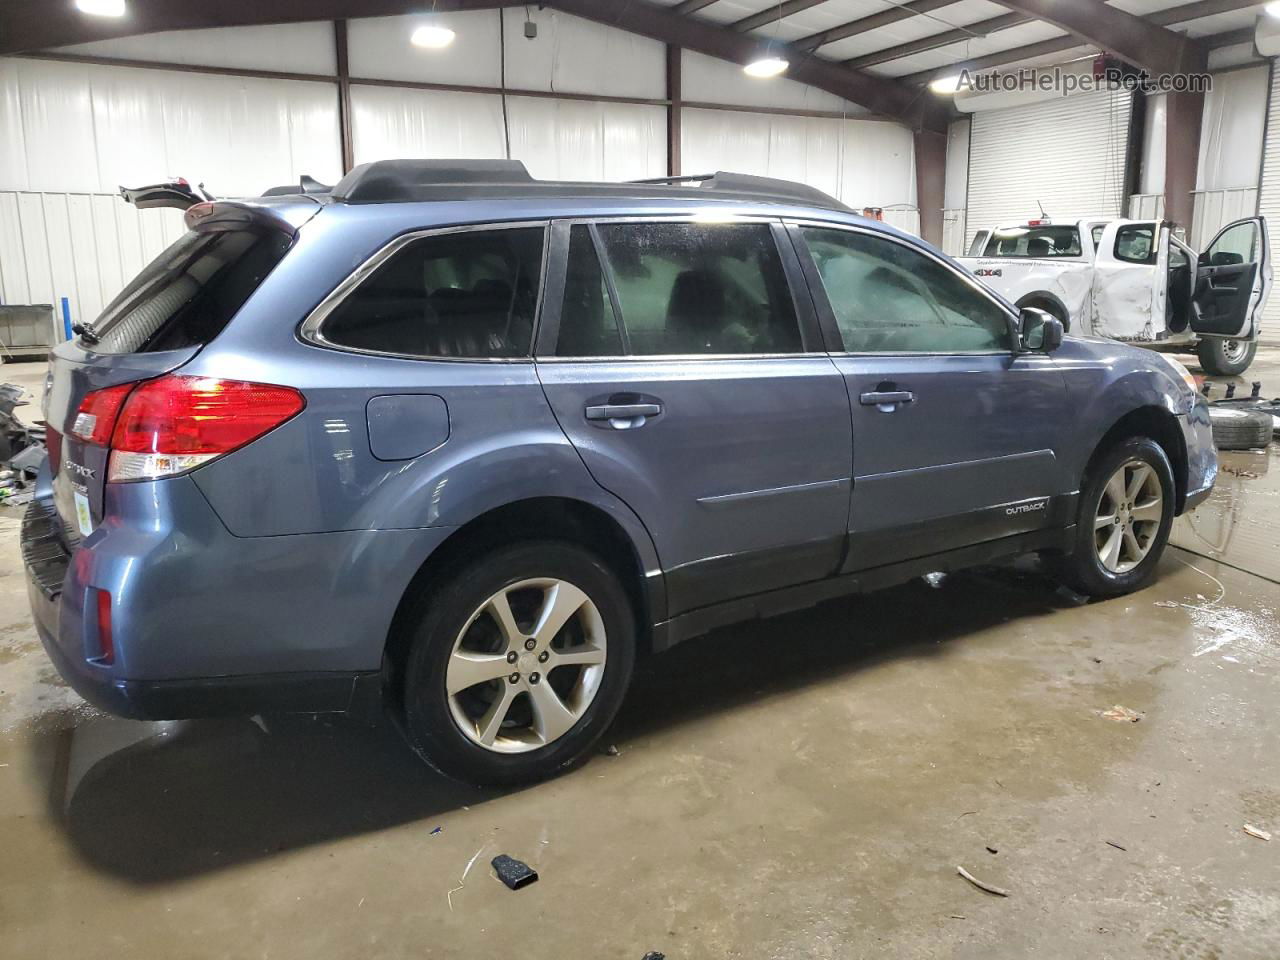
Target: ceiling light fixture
{"type": "Point", "coordinates": [1273, 8]}
{"type": "Point", "coordinates": [766, 67]}
{"type": "Point", "coordinates": [946, 85]}
{"type": "Point", "coordinates": [432, 37]}
{"type": "Point", "coordinates": [101, 8]}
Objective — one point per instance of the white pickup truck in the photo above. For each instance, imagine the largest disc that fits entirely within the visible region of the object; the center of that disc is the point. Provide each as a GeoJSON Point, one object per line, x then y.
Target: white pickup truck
{"type": "Point", "coordinates": [1133, 280]}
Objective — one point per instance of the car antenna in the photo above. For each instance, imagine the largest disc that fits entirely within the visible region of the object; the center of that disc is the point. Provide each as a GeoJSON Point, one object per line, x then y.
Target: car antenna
{"type": "Point", "coordinates": [1043, 215]}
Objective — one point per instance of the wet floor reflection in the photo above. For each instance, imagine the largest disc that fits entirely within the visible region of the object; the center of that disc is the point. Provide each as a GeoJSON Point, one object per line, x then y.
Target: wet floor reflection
{"type": "Point", "coordinates": [154, 802]}
{"type": "Point", "coordinates": [1240, 522]}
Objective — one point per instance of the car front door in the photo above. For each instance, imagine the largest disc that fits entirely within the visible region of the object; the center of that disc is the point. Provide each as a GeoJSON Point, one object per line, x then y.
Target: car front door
{"type": "Point", "coordinates": [694, 384]}
{"type": "Point", "coordinates": [1233, 281]}
{"type": "Point", "coordinates": [955, 435]}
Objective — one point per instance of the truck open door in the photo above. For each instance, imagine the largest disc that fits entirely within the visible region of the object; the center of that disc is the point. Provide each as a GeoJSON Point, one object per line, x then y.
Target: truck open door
{"type": "Point", "coordinates": [1130, 281]}
{"type": "Point", "coordinates": [1233, 281]}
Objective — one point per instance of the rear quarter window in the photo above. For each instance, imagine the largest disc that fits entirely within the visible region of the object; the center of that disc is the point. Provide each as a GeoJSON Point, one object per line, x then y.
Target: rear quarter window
{"type": "Point", "coordinates": [188, 294]}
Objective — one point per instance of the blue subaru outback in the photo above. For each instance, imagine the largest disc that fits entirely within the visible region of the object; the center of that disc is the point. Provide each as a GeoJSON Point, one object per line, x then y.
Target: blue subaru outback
{"type": "Point", "coordinates": [462, 442]}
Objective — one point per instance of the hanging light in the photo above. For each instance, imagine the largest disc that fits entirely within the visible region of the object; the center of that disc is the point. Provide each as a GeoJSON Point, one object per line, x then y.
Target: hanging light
{"type": "Point", "coordinates": [101, 8]}
{"type": "Point", "coordinates": [432, 36]}
{"type": "Point", "coordinates": [766, 67]}
{"type": "Point", "coordinates": [946, 85]}
{"type": "Point", "coordinates": [1273, 8]}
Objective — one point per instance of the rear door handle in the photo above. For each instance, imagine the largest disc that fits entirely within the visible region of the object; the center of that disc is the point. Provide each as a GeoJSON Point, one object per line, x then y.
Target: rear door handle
{"type": "Point", "coordinates": [622, 411]}
{"type": "Point", "coordinates": [883, 398]}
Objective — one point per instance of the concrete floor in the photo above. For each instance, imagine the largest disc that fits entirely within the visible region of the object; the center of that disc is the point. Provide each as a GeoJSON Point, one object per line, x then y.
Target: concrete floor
{"type": "Point", "coordinates": [803, 787]}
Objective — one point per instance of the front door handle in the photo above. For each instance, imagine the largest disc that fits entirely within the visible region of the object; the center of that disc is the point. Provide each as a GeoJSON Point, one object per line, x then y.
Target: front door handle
{"type": "Point", "coordinates": [886, 398]}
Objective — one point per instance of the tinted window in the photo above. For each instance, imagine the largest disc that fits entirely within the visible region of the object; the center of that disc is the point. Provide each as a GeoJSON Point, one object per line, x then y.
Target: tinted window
{"type": "Point", "coordinates": [1097, 231]}
{"type": "Point", "coordinates": [469, 295]}
{"type": "Point", "coordinates": [1035, 242]}
{"type": "Point", "coordinates": [185, 296]}
{"type": "Point", "coordinates": [688, 288]}
{"type": "Point", "coordinates": [1136, 244]}
{"type": "Point", "coordinates": [588, 327]}
{"type": "Point", "coordinates": [1238, 244]}
{"type": "Point", "coordinates": [889, 298]}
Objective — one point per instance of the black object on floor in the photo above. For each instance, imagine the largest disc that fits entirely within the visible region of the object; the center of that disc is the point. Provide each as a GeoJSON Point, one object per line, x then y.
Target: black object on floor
{"type": "Point", "coordinates": [514, 873]}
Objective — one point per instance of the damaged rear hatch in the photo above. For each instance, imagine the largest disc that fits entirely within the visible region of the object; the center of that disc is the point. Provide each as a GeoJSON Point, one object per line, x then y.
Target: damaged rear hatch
{"type": "Point", "coordinates": [177, 304]}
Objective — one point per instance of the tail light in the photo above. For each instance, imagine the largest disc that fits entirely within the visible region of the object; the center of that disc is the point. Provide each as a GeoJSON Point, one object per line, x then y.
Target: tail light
{"type": "Point", "coordinates": [165, 427]}
{"type": "Point", "coordinates": [96, 417]}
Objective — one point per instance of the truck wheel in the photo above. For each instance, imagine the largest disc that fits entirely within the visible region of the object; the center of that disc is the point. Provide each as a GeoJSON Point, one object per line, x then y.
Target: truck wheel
{"type": "Point", "coordinates": [1225, 358]}
{"type": "Point", "coordinates": [1052, 309]}
{"type": "Point", "coordinates": [1126, 512]}
{"type": "Point", "coordinates": [518, 663]}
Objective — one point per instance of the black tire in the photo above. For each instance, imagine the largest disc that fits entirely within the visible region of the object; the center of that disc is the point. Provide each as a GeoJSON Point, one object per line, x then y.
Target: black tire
{"type": "Point", "coordinates": [429, 723]}
{"type": "Point", "coordinates": [1082, 569]}
{"type": "Point", "coordinates": [1215, 361]}
{"type": "Point", "coordinates": [1239, 428]}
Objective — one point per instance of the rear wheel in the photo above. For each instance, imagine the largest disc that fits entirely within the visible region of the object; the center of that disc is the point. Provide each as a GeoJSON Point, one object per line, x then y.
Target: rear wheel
{"type": "Point", "coordinates": [1126, 512]}
{"type": "Point", "coordinates": [1225, 358]}
{"type": "Point", "coordinates": [518, 664]}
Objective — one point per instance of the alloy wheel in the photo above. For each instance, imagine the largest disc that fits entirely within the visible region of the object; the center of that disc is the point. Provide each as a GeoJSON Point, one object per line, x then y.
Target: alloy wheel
{"type": "Point", "coordinates": [1127, 520]}
{"type": "Point", "coordinates": [526, 665]}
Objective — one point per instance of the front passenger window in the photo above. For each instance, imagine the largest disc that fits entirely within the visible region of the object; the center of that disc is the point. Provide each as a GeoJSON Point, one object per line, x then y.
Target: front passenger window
{"type": "Point", "coordinates": [889, 298]}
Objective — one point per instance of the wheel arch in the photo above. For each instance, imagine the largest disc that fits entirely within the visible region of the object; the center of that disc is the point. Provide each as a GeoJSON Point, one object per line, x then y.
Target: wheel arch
{"type": "Point", "coordinates": [536, 518]}
{"type": "Point", "coordinates": [1158, 424]}
{"type": "Point", "coordinates": [1043, 299]}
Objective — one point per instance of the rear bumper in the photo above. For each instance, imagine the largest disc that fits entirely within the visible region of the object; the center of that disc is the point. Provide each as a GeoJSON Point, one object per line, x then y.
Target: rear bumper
{"type": "Point", "coordinates": [359, 694]}
{"type": "Point", "coordinates": [205, 623]}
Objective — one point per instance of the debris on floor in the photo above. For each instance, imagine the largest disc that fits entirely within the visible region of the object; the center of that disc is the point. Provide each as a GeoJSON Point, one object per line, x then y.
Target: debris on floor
{"type": "Point", "coordinates": [610, 751]}
{"type": "Point", "coordinates": [462, 880]}
{"type": "Point", "coordinates": [935, 579]}
{"type": "Point", "coordinates": [992, 850]}
{"type": "Point", "coordinates": [654, 955]}
{"type": "Point", "coordinates": [1112, 843]}
{"type": "Point", "coordinates": [1167, 603]}
{"type": "Point", "coordinates": [1255, 832]}
{"type": "Point", "coordinates": [436, 830]}
{"type": "Point", "coordinates": [1121, 714]}
{"type": "Point", "coordinates": [514, 873]}
{"type": "Point", "coordinates": [982, 885]}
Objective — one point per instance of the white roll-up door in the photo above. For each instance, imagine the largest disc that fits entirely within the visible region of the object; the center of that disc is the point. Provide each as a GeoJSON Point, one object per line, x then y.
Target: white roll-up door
{"type": "Point", "coordinates": [1067, 154]}
{"type": "Point", "coordinates": [1269, 202]}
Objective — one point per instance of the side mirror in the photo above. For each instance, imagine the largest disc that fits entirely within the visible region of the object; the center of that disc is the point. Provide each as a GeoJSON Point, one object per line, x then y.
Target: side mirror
{"type": "Point", "coordinates": [1040, 332]}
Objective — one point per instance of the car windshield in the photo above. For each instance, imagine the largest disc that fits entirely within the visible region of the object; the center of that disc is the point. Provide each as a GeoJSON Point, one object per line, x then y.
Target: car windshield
{"type": "Point", "coordinates": [1035, 242]}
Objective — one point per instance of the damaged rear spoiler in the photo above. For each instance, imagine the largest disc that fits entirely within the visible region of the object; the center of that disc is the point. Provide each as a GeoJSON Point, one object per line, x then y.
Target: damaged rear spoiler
{"type": "Point", "coordinates": [177, 193]}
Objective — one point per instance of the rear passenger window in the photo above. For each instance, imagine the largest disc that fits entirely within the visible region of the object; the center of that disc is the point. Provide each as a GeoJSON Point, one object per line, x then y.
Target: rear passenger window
{"type": "Point", "coordinates": [469, 295]}
{"type": "Point", "coordinates": [1136, 244]}
{"type": "Point", "coordinates": [682, 288]}
{"type": "Point", "coordinates": [889, 298]}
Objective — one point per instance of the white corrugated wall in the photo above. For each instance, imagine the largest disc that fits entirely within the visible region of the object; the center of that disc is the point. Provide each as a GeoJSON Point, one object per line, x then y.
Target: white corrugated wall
{"type": "Point", "coordinates": [1269, 202]}
{"type": "Point", "coordinates": [1067, 154]}
{"type": "Point", "coordinates": [71, 133]}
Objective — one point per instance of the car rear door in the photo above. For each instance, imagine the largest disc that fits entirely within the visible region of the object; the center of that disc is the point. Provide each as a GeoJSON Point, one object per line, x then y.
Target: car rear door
{"type": "Point", "coordinates": [955, 436]}
{"type": "Point", "coordinates": [1130, 281]}
{"type": "Point", "coordinates": [1233, 281]}
{"type": "Point", "coordinates": [692, 380]}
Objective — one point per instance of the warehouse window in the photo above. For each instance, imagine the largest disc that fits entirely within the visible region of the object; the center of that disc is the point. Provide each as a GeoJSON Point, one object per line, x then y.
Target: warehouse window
{"type": "Point", "coordinates": [469, 296]}
{"type": "Point", "coordinates": [682, 288]}
{"type": "Point", "coordinates": [889, 298]}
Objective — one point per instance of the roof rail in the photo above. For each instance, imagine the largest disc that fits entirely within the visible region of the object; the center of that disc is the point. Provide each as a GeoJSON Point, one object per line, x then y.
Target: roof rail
{"type": "Point", "coordinates": [385, 180]}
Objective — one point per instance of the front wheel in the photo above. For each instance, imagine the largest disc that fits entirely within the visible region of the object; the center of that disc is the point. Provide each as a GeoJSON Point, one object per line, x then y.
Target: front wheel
{"type": "Point", "coordinates": [1126, 512]}
{"type": "Point", "coordinates": [1225, 358]}
{"type": "Point", "coordinates": [518, 663]}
